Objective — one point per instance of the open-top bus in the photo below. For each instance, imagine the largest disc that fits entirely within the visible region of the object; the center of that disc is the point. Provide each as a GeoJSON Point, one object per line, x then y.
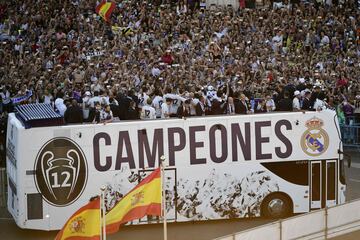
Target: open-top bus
{"type": "Point", "coordinates": [217, 167]}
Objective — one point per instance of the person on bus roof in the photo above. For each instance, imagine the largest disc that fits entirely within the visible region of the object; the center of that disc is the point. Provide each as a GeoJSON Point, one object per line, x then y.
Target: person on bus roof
{"type": "Point", "coordinates": [73, 114]}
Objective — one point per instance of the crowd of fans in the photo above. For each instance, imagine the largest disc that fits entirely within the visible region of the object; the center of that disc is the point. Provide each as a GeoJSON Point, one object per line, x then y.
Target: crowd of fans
{"type": "Point", "coordinates": [161, 59]}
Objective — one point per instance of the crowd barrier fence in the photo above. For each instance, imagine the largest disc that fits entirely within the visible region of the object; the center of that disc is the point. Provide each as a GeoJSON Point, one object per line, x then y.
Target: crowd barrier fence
{"type": "Point", "coordinates": [320, 224]}
{"type": "Point", "coordinates": [350, 135]}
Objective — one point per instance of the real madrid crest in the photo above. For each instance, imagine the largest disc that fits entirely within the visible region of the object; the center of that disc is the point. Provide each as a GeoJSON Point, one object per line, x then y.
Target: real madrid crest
{"type": "Point", "coordinates": [314, 140]}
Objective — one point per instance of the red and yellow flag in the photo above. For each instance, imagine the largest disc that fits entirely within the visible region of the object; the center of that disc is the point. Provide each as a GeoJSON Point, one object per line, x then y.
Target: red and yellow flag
{"type": "Point", "coordinates": [104, 9]}
{"type": "Point", "coordinates": [84, 224]}
{"type": "Point", "coordinates": [144, 199]}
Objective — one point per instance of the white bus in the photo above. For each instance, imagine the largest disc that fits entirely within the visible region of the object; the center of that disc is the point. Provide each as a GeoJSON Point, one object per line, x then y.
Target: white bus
{"type": "Point", "coordinates": [218, 167]}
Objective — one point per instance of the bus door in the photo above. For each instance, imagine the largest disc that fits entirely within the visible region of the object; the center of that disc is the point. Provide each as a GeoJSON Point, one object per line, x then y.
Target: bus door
{"type": "Point", "coordinates": [323, 179]}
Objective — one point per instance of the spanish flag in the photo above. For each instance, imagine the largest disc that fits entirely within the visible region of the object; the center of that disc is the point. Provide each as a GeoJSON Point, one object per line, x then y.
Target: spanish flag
{"type": "Point", "coordinates": [84, 224]}
{"type": "Point", "coordinates": [144, 199]}
{"type": "Point", "coordinates": [104, 9]}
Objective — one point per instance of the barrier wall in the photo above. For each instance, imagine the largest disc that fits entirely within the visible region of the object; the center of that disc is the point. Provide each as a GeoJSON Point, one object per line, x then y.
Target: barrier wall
{"type": "Point", "coordinates": [321, 224]}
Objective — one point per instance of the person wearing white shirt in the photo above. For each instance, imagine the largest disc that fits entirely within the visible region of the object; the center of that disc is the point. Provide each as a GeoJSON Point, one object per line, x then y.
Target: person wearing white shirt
{"type": "Point", "coordinates": [277, 41]}
{"type": "Point", "coordinates": [96, 87]}
{"type": "Point", "coordinates": [166, 108]}
{"type": "Point", "coordinates": [320, 104]}
{"type": "Point", "coordinates": [147, 111]}
{"type": "Point", "coordinates": [5, 96]}
{"type": "Point", "coordinates": [296, 101]}
{"type": "Point", "coordinates": [104, 99]}
{"type": "Point", "coordinates": [157, 103]}
{"type": "Point", "coordinates": [325, 39]}
{"type": "Point", "coordinates": [49, 64]}
{"type": "Point", "coordinates": [86, 105]}
{"type": "Point", "coordinates": [6, 100]}
{"type": "Point", "coordinates": [270, 104]}
{"type": "Point", "coordinates": [194, 102]}
{"type": "Point", "coordinates": [176, 102]}
{"type": "Point", "coordinates": [47, 98]}
{"type": "Point", "coordinates": [60, 106]}
{"type": "Point", "coordinates": [143, 97]}
{"type": "Point", "coordinates": [181, 8]}
{"type": "Point", "coordinates": [155, 71]}
{"type": "Point", "coordinates": [210, 95]}
{"type": "Point", "coordinates": [94, 99]}
{"type": "Point", "coordinates": [106, 115]}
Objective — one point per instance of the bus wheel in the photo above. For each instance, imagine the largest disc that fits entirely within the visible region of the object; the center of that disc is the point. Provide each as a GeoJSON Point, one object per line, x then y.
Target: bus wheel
{"type": "Point", "coordinates": [276, 206]}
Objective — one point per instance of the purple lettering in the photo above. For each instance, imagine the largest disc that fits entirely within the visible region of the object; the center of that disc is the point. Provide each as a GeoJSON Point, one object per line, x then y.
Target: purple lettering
{"type": "Point", "coordinates": [223, 143]}
{"type": "Point", "coordinates": [175, 148]}
{"type": "Point", "coordinates": [158, 145]}
{"type": "Point", "coordinates": [194, 144]}
{"type": "Point", "coordinates": [124, 140]}
{"type": "Point", "coordinates": [260, 140]}
{"type": "Point", "coordinates": [96, 149]}
{"type": "Point", "coordinates": [245, 142]}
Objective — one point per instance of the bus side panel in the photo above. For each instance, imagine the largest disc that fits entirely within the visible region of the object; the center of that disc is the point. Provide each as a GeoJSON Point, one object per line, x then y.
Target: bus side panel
{"type": "Point", "coordinates": [12, 164]}
{"type": "Point", "coordinates": [209, 175]}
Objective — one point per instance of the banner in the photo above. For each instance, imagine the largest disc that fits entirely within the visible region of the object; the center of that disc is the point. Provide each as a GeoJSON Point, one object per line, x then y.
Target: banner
{"type": "Point", "coordinates": [22, 98]}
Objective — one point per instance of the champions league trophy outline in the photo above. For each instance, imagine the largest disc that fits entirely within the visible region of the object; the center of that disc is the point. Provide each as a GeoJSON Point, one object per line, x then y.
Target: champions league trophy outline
{"type": "Point", "coordinates": [51, 164]}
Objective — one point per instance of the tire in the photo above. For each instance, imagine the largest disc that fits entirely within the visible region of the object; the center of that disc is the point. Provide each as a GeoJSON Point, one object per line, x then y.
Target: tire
{"type": "Point", "coordinates": [276, 206]}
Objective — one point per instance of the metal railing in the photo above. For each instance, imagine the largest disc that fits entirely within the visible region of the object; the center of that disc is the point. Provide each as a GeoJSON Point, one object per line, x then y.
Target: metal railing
{"type": "Point", "coordinates": [350, 132]}
{"type": "Point", "coordinates": [321, 224]}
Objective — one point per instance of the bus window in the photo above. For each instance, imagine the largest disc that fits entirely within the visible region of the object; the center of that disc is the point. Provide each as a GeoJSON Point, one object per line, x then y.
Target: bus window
{"type": "Point", "coordinates": [331, 184]}
{"type": "Point", "coordinates": [34, 206]}
{"type": "Point", "coordinates": [315, 181]}
{"type": "Point", "coordinates": [286, 171]}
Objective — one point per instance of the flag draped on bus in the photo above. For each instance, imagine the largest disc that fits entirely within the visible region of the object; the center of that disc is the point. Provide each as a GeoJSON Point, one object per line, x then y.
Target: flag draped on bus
{"type": "Point", "coordinates": [144, 199]}
{"type": "Point", "coordinates": [84, 224]}
{"type": "Point", "coordinates": [104, 9]}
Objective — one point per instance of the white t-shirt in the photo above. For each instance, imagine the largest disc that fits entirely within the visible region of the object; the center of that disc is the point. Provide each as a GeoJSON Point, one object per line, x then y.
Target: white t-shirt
{"type": "Point", "coordinates": [49, 65]}
{"type": "Point", "coordinates": [104, 100]}
{"type": "Point", "coordinates": [319, 105]}
{"type": "Point", "coordinates": [148, 112]}
{"type": "Point", "coordinates": [96, 87]}
{"type": "Point", "coordinates": [47, 99]}
{"type": "Point", "coordinates": [210, 95]}
{"type": "Point", "coordinates": [165, 110]}
{"type": "Point", "coordinates": [176, 101]}
{"type": "Point", "coordinates": [277, 41]}
{"type": "Point", "coordinates": [157, 102]}
{"type": "Point", "coordinates": [60, 106]}
{"type": "Point", "coordinates": [93, 100]}
{"type": "Point", "coordinates": [193, 104]}
{"type": "Point", "coordinates": [155, 72]}
{"type": "Point", "coordinates": [325, 40]}
{"type": "Point", "coordinates": [5, 97]}
{"type": "Point", "coordinates": [296, 104]}
{"type": "Point", "coordinates": [142, 99]}
{"type": "Point", "coordinates": [270, 105]}
{"type": "Point", "coordinates": [106, 115]}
